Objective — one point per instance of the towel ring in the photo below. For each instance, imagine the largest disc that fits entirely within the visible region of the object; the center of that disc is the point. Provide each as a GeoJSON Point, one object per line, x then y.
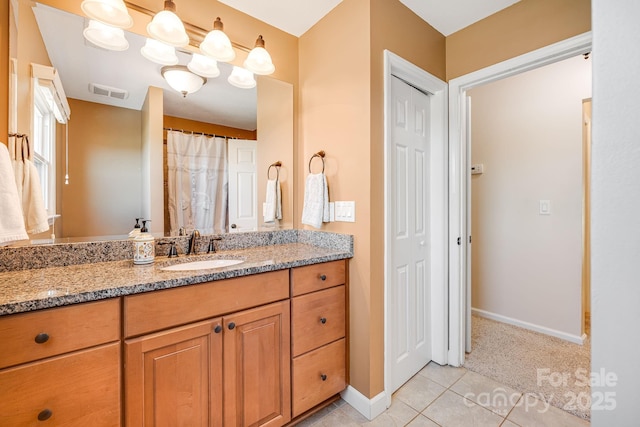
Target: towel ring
{"type": "Point", "coordinates": [319, 154]}
{"type": "Point", "coordinates": [277, 166]}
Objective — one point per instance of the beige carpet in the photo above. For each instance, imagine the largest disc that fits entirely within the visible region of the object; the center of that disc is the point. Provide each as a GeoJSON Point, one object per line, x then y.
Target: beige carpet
{"type": "Point", "coordinates": [547, 367]}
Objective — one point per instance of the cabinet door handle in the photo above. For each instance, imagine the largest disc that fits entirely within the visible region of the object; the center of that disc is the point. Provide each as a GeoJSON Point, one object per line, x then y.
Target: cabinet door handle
{"type": "Point", "coordinates": [323, 320]}
{"type": "Point", "coordinates": [232, 325]}
{"type": "Point", "coordinates": [323, 277]}
{"type": "Point", "coordinates": [217, 329]}
{"type": "Point", "coordinates": [323, 377]}
{"type": "Point", "coordinates": [42, 338]}
{"type": "Point", "coordinates": [44, 415]}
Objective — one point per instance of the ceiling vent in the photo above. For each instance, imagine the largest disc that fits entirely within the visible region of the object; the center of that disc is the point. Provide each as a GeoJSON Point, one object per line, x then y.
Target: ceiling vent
{"type": "Point", "coordinates": [111, 92]}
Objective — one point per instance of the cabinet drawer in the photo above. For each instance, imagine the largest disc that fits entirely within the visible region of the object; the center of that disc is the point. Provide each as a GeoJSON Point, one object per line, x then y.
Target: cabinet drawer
{"type": "Point", "coordinates": [318, 375]}
{"type": "Point", "coordinates": [317, 319]}
{"type": "Point", "coordinates": [78, 389]}
{"type": "Point", "coordinates": [316, 277]}
{"type": "Point", "coordinates": [59, 330]}
{"type": "Point", "coordinates": [159, 310]}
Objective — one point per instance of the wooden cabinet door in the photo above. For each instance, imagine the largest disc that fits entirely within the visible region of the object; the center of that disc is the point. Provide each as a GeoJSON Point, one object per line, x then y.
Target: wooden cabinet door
{"type": "Point", "coordinates": [257, 367]}
{"type": "Point", "coordinates": [174, 378]}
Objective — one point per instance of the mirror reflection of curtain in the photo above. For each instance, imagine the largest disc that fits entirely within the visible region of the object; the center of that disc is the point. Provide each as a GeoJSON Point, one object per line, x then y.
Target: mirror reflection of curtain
{"type": "Point", "coordinates": [198, 182]}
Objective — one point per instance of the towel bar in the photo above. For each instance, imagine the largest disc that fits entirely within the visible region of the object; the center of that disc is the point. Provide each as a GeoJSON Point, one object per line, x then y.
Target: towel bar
{"type": "Point", "coordinates": [319, 154]}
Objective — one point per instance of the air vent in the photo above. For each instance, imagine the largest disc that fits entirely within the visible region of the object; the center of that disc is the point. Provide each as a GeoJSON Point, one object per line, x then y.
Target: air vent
{"type": "Point", "coordinates": [111, 92]}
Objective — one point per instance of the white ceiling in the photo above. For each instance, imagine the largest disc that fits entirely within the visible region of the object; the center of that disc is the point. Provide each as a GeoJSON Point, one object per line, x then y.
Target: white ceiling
{"type": "Point", "coordinates": [297, 16]}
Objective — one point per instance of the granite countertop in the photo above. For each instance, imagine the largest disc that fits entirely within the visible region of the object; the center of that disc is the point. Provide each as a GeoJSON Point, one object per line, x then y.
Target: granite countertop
{"type": "Point", "coordinates": [34, 289]}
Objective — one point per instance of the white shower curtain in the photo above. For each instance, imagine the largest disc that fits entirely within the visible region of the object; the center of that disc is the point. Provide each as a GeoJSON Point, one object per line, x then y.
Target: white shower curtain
{"type": "Point", "coordinates": [198, 182]}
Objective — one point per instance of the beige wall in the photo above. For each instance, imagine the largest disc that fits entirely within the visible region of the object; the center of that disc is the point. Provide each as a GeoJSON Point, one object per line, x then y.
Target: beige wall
{"type": "Point", "coordinates": [523, 27]}
{"type": "Point", "coordinates": [341, 112]}
{"type": "Point", "coordinates": [4, 71]}
{"type": "Point", "coordinates": [104, 165]}
{"type": "Point", "coordinates": [527, 132]}
{"type": "Point", "coordinates": [152, 163]}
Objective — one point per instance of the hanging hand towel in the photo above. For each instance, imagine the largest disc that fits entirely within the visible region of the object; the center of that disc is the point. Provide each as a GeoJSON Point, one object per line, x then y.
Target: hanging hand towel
{"type": "Point", "coordinates": [315, 209]}
{"type": "Point", "coordinates": [35, 215]}
{"type": "Point", "coordinates": [272, 208]}
{"type": "Point", "coordinates": [11, 220]}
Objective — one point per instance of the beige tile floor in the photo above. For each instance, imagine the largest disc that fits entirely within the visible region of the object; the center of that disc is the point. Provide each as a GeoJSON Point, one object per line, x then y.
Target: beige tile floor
{"type": "Point", "coordinates": [452, 397]}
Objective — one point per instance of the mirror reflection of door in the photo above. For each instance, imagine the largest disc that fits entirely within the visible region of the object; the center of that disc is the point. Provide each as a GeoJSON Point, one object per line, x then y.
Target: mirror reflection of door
{"type": "Point", "coordinates": [243, 185]}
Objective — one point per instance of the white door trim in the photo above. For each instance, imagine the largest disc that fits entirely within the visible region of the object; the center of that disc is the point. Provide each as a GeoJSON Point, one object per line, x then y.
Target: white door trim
{"type": "Point", "coordinates": [410, 73]}
{"type": "Point", "coordinates": [459, 168]}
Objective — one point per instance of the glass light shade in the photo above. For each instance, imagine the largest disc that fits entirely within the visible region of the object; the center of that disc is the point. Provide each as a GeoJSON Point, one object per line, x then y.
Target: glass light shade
{"type": "Point", "coordinates": [259, 60]}
{"type": "Point", "coordinates": [242, 78]}
{"type": "Point", "coordinates": [110, 12]}
{"type": "Point", "coordinates": [159, 52]}
{"type": "Point", "coordinates": [217, 45]}
{"type": "Point", "coordinates": [168, 28]}
{"type": "Point", "coordinates": [203, 66]}
{"type": "Point", "coordinates": [105, 36]}
{"type": "Point", "coordinates": [181, 79]}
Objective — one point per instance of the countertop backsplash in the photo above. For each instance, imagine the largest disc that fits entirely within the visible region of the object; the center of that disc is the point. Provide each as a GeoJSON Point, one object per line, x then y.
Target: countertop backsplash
{"type": "Point", "coordinates": [63, 254]}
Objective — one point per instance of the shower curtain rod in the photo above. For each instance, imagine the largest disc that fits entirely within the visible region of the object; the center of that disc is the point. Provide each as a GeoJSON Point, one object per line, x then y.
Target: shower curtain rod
{"type": "Point", "coordinates": [201, 133]}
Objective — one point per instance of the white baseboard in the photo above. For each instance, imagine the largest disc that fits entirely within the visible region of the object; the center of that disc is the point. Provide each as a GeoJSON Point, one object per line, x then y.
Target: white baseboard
{"type": "Point", "coordinates": [370, 408]}
{"type": "Point", "coordinates": [577, 339]}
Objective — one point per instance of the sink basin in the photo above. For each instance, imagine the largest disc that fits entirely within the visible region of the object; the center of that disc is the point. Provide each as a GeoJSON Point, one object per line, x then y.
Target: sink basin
{"type": "Point", "coordinates": [203, 265]}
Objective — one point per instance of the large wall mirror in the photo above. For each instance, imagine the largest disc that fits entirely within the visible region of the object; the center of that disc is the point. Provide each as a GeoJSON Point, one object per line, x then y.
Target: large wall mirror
{"type": "Point", "coordinates": [112, 148]}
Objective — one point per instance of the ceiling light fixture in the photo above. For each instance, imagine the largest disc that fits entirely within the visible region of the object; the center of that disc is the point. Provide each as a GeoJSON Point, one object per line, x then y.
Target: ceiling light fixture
{"type": "Point", "coordinates": [217, 45]}
{"type": "Point", "coordinates": [181, 79]}
{"type": "Point", "coordinates": [105, 36]}
{"type": "Point", "coordinates": [259, 60]}
{"type": "Point", "coordinates": [167, 27]}
{"type": "Point", "coordinates": [242, 78]}
{"type": "Point", "coordinates": [159, 52]}
{"type": "Point", "coordinates": [110, 12]}
{"type": "Point", "coordinates": [203, 66]}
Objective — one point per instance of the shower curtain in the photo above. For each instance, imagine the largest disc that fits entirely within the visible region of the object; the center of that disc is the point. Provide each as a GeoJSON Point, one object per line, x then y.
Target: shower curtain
{"type": "Point", "coordinates": [198, 182]}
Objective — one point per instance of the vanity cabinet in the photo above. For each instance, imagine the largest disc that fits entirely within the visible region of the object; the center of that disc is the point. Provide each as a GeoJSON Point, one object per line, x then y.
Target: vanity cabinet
{"type": "Point", "coordinates": [200, 362]}
{"type": "Point", "coordinates": [62, 366]}
{"type": "Point", "coordinates": [318, 330]}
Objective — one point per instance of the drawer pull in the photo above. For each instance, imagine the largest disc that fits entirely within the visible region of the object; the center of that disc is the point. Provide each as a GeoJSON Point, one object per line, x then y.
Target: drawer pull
{"type": "Point", "coordinates": [44, 415]}
{"type": "Point", "coordinates": [323, 277]}
{"type": "Point", "coordinates": [217, 329]}
{"type": "Point", "coordinates": [42, 338]}
{"type": "Point", "coordinates": [323, 377]}
{"type": "Point", "coordinates": [232, 325]}
{"type": "Point", "coordinates": [323, 320]}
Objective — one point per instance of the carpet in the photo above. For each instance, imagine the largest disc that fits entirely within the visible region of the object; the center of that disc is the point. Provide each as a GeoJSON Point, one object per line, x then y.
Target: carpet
{"type": "Point", "coordinates": [552, 369]}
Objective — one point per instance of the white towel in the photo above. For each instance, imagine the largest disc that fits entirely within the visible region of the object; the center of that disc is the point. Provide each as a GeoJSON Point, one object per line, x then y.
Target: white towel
{"type": "Point", "coordinates": [315, 210]}
{"type": "Point", "coordinates": [272, 208]}
{"type": "Point", "coordinates": [35, 215]}
{"type": "Point", "coordinates": [11, 220]}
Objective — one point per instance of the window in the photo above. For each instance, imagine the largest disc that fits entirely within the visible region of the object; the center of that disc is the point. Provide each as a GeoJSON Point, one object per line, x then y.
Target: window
{"type": "Point", "coordinates": [49, 106]}
{"type": "Point", "coordinates": [44, 146]}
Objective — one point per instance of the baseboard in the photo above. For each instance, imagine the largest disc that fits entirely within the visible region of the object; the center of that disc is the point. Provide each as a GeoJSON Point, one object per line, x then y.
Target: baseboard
{"type": "Point", "coordinates": [370, 408]}
{"type": "Point", "coordinates": [577, 339]}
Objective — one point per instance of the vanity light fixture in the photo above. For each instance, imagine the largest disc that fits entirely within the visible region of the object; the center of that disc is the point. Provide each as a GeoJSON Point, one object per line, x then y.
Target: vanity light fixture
{"type": "Point", "coordinates": [110, 12]}
{"type": "Point", "coordinates": [203, 66]}
{"type": "Point", "coordinates": [167, 27]}
{"type": "Point", "coordinates": [159, 52]}
{"type": "Point", "coordinates": [105, 36]}
{"type": "Point", "coordinates": [181, 79]}
{"type": "Point", "coordinates": [217, 45]}
{"type": "Point", "coordinates": [242, 78]}
{"type": "Point", "coordinates": [259, 60]}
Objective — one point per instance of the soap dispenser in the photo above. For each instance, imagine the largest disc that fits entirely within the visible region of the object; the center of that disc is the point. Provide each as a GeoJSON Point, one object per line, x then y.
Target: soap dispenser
{"type": "Point", "coordinates": [136, 229]}
{"type": "Point", "coordinates": [143, 246]}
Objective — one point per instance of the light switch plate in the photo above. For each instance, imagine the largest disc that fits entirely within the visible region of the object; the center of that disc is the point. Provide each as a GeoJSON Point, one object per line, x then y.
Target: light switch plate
{"type": "Point", "coordinates": [545, 207]}
{"type": "Point", "coordinates": [345, 211]}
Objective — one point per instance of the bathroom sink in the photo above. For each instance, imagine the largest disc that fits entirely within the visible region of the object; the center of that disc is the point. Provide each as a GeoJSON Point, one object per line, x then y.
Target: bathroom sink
{"type": "Point", "coordinates": [202, 265]}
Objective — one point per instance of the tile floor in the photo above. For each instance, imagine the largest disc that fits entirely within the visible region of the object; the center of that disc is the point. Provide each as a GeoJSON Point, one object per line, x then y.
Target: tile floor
{"type": "Point", "coordinates": [452, 397]}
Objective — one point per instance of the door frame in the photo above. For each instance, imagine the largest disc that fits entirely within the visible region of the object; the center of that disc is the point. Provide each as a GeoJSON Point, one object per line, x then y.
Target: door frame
{"type": "Point", "coordinates": [437, 89]}
{"type": "Point", "coordinates": [459, 167]}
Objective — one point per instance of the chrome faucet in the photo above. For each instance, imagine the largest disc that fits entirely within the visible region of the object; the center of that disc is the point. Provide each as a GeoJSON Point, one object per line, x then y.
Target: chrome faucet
{"type": "Point", "coordinates": [193, 243]}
